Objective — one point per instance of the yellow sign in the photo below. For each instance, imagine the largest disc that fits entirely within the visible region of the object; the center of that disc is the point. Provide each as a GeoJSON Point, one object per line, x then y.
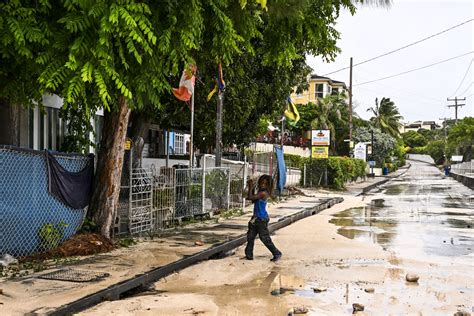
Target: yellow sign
{"type": "Point", "coordinates": [321, 152]}
{"type": "Point", "coordinates": [128, 144]}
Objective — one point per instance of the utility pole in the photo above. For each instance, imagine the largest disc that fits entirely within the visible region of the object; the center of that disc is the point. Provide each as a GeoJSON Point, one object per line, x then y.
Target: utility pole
{"type": "Point", "coordinates": [220, 101]}
{"type": "Point", "coordinates": [445, 127]}
{"type": "Point", "coordinates": [456, 105]}
{"type": "Point", "coordinates": [350, 103]}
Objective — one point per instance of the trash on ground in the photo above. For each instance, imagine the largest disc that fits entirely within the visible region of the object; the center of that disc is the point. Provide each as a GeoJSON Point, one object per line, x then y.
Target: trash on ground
{"type": "Point", "coordinates": [7, 260]}
{"type": "Point", "coordinates": [199, 243]}
{"type": "Point", "coordinates": [369, 290]}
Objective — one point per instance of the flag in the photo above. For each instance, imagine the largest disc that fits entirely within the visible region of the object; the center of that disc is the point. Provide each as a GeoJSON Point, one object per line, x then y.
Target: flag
{"type": "Point", "coordinates": [186, 84]}
{"type": "Point", "coordinates": [291, 113]}
{"type": "Point", "coordinates": [220, 83]}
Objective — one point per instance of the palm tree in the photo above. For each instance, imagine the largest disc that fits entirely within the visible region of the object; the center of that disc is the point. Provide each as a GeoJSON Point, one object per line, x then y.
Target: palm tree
{"type": "Point", "coordinates": [386, 117]}
{"type": "Point", "coordinates": [331, 113]}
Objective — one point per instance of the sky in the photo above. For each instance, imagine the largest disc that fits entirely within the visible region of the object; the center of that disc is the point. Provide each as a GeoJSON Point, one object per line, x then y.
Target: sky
{"type": "Point", "coordinates": [420, 95]}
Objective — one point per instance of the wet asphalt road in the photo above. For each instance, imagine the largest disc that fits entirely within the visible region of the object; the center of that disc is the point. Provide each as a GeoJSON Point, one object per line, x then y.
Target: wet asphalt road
{"type": "Point", "coordinates": [422, 213]}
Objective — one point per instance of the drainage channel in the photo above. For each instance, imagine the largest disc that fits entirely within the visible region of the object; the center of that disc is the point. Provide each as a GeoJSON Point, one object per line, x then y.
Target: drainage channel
{"type": "Point", "coordinates": [117, 291]}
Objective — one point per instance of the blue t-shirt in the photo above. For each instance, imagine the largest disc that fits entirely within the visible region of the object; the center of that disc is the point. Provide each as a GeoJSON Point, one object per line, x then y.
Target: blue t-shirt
{"type": "Point", "coordinates": [260, 208]}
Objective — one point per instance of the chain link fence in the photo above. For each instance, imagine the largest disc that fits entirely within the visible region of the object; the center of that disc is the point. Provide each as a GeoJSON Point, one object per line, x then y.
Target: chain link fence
{"type": "Point", "coordinates": [32, 220]}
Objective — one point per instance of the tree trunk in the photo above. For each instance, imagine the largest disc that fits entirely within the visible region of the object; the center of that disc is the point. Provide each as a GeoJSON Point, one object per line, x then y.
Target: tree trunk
{"type": "Point", "coordinates": [140, 126]}
{"type": "Point", "coordinates": [104, 200]}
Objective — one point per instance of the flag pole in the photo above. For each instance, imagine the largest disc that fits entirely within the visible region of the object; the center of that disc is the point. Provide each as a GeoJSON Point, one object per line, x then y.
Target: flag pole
{"type": "Point", "coordinates": [191, 145]}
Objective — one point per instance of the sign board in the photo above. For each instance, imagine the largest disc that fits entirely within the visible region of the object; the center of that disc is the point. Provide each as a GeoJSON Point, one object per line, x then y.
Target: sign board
{"type": "Point", "coordinates": [320, 137]}
{"type": "Point", "coordinates": [369, 149]}
{"type": "Point", "coordinates": [360, 151]}
{"type": "Point", "coordinates": [456, 158]}
{"type": "Point", "coordinates": [372, 163]}
{"type": "Point", "coordinates": [320, 152]}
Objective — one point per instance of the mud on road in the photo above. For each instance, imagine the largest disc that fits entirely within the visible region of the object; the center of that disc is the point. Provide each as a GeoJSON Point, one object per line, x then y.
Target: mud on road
{"type": "Point", "coordinates": [358, 251]}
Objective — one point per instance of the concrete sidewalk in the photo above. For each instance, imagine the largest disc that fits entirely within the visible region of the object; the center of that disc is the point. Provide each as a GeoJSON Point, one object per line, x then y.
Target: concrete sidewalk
{"type": "Point", "coordinates": [154, 257]}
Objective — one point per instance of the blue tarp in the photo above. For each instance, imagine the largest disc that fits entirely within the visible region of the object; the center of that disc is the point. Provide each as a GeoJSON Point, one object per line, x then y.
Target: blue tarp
{"type": "Point", "coordinates": [281, 169]}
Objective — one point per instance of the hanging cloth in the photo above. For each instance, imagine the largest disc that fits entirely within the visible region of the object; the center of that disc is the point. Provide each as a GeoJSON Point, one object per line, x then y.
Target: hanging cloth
{"type": "Point", "coordinates": [281, 169]}
{"type": "Point", "coordinates": [74, 189]}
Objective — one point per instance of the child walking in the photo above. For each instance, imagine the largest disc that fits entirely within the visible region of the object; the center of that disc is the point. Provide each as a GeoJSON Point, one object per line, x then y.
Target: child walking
{"type": "Point", "coordinates": [258, 224]}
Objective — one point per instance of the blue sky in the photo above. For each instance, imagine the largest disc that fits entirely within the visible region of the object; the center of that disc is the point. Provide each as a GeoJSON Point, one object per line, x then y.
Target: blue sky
{"type": "Point", "coordinates": [420, 95]}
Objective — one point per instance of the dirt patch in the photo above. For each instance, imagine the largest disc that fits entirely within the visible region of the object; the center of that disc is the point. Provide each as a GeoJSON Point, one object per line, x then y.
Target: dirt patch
{"type": "Point", "coordinates": [77, 245]}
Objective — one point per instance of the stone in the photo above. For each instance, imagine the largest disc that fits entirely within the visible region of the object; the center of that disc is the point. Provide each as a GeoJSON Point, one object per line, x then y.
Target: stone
{"type": "Point", "coordinates": [412, 277]}
{"type": "Point", "coordinates": [356, 307]}
{"type": "Point", "coordinates": [300, 310]}
{"type": "Point", "coordinates": [369, 290]}
{"type": "Point", "coordinates": [319, 289]}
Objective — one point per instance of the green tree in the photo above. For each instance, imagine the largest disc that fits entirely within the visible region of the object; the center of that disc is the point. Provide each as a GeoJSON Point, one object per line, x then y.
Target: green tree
{"type": "Point", "coordinates": [461, 138]}
{"type": "Point", "coordinates": [121, 55]}
{"type": "Point", "coordinates": [414, 139]}
{"type": "Point", "coordinates": [384, 144]}
{"type": "Point", "coordinates": [386, 117]}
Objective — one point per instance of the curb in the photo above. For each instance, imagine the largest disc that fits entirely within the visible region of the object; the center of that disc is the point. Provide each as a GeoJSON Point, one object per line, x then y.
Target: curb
{"type": "Point", "coordinates": [114, 292]}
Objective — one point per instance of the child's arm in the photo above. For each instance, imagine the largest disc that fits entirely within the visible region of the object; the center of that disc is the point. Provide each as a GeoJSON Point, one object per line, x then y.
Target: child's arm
{"type": "Point", "coordinates": [254, 197]}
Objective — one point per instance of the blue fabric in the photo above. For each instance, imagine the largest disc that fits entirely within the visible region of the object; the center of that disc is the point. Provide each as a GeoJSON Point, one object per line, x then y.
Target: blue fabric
{"type": "Point", "coordinates": [281, 169]}
{"type": "Point", "coordinates": [260, 209]}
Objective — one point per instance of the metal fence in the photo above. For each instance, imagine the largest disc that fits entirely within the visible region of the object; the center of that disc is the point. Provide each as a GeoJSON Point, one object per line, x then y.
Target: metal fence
{"type": "Point", "coordinates": [32, 220]}
{"type": "Point", "coordinates": [160, 199]}
{"type": "Point", "coordinates": [464, 168]}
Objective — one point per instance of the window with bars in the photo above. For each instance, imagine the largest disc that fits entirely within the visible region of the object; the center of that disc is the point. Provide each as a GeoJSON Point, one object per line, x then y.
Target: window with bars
{"type": "Point", "coordinates": [179, 144]}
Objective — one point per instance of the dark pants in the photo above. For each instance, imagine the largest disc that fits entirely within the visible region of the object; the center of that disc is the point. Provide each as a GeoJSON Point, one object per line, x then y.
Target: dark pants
{"type": "Point", "coordinates": [258, 226]}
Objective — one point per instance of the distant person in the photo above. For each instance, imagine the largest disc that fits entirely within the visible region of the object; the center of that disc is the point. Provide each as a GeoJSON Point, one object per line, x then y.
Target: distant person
{"type": "Point", "coordinates": [258, 224]}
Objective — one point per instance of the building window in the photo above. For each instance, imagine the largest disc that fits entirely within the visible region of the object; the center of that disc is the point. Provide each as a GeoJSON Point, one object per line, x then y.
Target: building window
{"type": "Point", "coordinates": [335, 91]}
{"type": "Point", "coordinates": [179, 144]}
{"type": "Point", "coordinates": [319, 90]}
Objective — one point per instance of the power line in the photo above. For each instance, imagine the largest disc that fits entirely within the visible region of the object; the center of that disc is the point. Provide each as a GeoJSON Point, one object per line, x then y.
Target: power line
{"type": "Point", "coordinates": [466, 88]}
{"type": "Point", "coordinates": [416, 69]}
{"type": "Point", "coordinates": [401, 48]}
{"type": "Point", "coordinates": [462, 81]}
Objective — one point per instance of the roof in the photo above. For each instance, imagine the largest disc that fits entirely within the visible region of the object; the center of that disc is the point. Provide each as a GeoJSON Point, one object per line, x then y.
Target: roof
{"type": "Point", "coordinates": [331, 81]}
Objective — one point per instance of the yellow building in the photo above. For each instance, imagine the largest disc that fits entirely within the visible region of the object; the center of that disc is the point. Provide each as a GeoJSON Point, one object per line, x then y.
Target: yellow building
{"type": "Point", "coordinates": [319, 87]}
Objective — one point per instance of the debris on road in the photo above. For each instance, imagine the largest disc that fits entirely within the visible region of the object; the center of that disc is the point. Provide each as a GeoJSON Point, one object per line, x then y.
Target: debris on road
{"type": "Point", "coordinates": [411, 277]}
{"type": "Point", "coordinates": [369, 290]}
{"type": "Point", "coordinates": [298, 310]}
{"type": "Point", "coordinates": [7, 260]}
{"type": "Point", "coordinates": [356, 307]}
{"type": "Point", "coordinates": [319, 289]}
{"type": "Point", "coordinates": [199, 243]}
{"type": "Point", "coordinates": [462, 313]}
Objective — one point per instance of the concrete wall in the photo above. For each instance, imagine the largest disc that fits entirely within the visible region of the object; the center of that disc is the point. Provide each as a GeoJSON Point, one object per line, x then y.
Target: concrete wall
{"type": "Point", "coordinates": [264, 147]}
{"type": "Point", "coordinates": [466, 180]}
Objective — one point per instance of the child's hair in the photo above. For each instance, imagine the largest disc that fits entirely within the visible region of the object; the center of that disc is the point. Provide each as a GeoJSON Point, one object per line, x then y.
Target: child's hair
{"type": "Point", "coordinates": [270, 182]}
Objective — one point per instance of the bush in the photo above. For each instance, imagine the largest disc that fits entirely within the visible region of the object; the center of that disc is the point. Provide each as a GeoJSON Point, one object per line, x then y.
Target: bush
{"type": "Point", "coordinates": [339, 171]}
{"type": "Point", "coordinates": [436, 150]}
{"type": "Point", "coordinates": [414, 139]}
{"type": "Point", "coordinates": [295, 161]}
